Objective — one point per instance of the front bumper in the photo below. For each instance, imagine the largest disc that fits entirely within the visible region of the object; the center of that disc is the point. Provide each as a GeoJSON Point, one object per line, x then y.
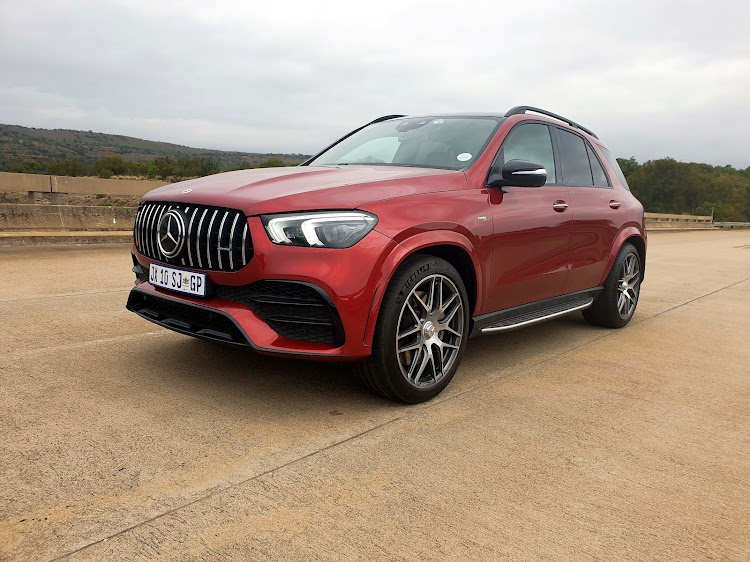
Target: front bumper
{"type": "Point", "coordinates": [347, 279]}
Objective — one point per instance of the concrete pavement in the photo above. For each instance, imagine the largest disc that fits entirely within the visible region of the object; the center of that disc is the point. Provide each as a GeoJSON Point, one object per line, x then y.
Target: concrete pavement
{"type": "Point", "coordinates": [120, 440]}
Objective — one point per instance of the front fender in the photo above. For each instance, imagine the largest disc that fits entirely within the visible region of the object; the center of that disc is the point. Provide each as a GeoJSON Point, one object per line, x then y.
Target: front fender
{"type": "Point", "coordinates": [410, 246]}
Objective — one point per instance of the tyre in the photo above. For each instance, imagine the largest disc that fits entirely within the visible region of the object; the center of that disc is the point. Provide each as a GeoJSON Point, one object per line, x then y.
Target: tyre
{"type": "Point", "coordinates": [615, 306]}
{"type": "Point", "coordinates": [421, 332]}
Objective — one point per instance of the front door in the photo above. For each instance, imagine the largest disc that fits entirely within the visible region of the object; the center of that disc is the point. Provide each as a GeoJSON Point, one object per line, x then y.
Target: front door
{"type": "Point", "coordinates": [532, 226]}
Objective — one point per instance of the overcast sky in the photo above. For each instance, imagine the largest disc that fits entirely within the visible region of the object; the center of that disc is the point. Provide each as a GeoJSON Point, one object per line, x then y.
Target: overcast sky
{"type": "Point", "coordinates": [651, 78]}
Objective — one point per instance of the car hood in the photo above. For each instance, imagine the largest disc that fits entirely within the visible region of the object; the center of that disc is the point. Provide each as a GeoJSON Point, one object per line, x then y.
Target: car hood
{"type": "Point", "coordinates": [274, 190]}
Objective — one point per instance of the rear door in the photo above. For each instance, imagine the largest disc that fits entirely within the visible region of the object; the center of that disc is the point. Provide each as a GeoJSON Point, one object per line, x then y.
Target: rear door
{"type": "Point", "coordinates": [596, 213]}
{"type": "Point", "coordinates": [532, 226]}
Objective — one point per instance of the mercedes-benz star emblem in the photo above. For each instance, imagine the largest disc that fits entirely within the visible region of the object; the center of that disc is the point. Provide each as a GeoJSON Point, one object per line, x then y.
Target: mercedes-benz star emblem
{"type": "Point", "coordinates": [171, 236]}
{"type": "Point", "coordinates": [187, 190]}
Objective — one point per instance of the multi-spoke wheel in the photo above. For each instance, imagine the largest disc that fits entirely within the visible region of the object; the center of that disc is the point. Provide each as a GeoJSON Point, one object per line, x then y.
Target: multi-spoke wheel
{"type": "Point", "coordinates": [628, 286]}
{"type": "Point", "coordinates": [616, 304]}
{"type": "Point", "coordinates": [421, 331]}
{"type": "Point", "coordinates": [430, 330]}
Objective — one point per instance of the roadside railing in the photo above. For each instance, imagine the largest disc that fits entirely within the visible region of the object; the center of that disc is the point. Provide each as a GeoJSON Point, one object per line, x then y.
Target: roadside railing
{"type": "Point", "coordinates": [731, 225]}
{"type": "Point", "coordinates": [660, 221]}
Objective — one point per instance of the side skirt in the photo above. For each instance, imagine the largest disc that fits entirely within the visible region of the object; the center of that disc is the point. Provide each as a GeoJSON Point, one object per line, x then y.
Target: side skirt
{"type": "Point", "coordinates": [533, 313]}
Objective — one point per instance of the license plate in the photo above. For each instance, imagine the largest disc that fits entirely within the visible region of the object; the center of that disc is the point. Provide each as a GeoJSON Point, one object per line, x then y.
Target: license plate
{"type": "Point", "coordinates": [178, 280]}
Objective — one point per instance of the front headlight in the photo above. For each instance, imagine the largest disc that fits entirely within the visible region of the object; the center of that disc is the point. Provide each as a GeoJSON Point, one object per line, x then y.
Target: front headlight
{"type": "Point", "coordinates": [326, 229]}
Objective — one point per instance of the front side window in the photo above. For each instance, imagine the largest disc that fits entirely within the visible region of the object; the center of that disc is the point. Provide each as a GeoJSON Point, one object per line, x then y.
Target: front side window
{"type": "Point", "coordinates": [452, 143]}
{"type": "Point", "coordinates": [530, 142]}
{"type": "Point", "coordinates": [574, 160]}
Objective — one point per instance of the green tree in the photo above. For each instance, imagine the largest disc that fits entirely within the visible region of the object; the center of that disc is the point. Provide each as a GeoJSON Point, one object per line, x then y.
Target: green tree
{"type": "Point", "coordinates": [26, 167]}
{"type": "Point", "coordinates": [137, 168]}
{"type": "Point", "coordinates": [114, 164]}
{"type": "Point", "coordinates": [272, 163]}
{"type": "Point", "coordinates": [70, 167]}
{"type": "Point", "coordinates": [165, 166]}
{"type": "Point", "coordinates": [628, 166]}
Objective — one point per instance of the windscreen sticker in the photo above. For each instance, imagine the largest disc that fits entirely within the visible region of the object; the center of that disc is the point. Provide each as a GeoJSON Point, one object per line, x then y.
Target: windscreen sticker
{"type": "Point", "coordinates": [463, 157]}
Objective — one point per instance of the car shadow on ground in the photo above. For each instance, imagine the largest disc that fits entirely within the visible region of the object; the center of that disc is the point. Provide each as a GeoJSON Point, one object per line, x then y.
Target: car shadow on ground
{"type": "Point", "coordinates": [240, 377]}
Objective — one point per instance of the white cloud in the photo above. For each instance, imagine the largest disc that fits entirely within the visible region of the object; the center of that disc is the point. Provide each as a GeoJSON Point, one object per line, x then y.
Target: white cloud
{"type": "Point", "coordinates": [652, 78]}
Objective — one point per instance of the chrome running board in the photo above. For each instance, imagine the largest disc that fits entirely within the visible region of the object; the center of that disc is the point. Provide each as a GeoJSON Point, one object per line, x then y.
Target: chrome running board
{"type": "Point", "coordinates": [537, 316]}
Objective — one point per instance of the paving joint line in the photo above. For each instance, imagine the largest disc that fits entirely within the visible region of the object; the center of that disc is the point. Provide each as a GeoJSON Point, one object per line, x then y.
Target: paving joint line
{"type": "Point", "coordinates": [222, 490]}
{"type": "Point", "coordinates": [63, 295]}
{"type": "Point", "coordinates": [84, 344]}
{"type": "Point", "coordinates": [419, 408]}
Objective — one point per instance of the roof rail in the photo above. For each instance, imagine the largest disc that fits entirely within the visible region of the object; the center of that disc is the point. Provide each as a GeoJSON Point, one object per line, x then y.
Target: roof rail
{"type": "Point", "coordinates": [521, 109]}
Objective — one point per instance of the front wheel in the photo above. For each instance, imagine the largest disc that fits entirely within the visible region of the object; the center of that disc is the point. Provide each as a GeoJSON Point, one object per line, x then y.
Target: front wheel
{"type": "Point", "coordinates": [421, 332]}
{"type": "Point", "coordinates": [615, 306]}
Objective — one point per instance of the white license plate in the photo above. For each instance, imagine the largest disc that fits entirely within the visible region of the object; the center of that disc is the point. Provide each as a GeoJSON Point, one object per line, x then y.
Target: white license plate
{"type": "Point", "coordinates": [178, 280]}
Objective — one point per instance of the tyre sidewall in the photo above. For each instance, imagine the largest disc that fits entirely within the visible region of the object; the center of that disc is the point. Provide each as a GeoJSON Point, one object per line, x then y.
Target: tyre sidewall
{"type": "Point", "coordinates": [411, 274]}
{"type": "Point", "coordinates": [610, 294]}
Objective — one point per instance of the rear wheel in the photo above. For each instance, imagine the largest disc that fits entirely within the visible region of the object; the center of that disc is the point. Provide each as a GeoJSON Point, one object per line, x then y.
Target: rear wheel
{"type": "Point", "coordinates": [421, 332]}
{"type": "Point", "coordinates": [616, 304]}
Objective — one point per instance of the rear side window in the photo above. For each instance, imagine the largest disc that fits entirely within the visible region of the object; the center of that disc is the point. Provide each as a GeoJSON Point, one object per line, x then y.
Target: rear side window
{"type": "Point", "coordinates": [600, 178]}
{"type": "Point", "coordinates": [530, 142]}
{"type": "Point", "coordinates": [574, 160]}
{"type": "Point", "coordinates": [615, 166]}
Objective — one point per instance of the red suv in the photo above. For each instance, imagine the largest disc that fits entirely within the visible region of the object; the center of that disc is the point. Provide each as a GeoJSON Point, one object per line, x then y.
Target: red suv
{"type": "Point", "coordinates": [396, 244]}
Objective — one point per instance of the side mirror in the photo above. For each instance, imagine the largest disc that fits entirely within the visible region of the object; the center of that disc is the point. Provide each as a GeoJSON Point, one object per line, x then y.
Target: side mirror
{"type": "Point", "coordinates": [520, 173]}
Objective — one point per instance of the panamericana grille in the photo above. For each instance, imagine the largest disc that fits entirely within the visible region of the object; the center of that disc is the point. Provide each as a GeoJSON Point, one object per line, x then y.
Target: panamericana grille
{"type": "Point", "coordinates": [215, 238]}
{"type": "Point", "coordinates": [293, 309]}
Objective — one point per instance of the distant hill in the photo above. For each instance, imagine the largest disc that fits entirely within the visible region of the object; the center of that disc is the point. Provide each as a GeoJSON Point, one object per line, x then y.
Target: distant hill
{"type": "Point", "coordinates": [44, 145]}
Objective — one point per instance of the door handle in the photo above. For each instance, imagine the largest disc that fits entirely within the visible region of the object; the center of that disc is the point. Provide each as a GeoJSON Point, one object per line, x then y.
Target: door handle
{"type": "Point", "coordinates": [559, 205]}
{"type": "Point", "coordinates": [614, 204]}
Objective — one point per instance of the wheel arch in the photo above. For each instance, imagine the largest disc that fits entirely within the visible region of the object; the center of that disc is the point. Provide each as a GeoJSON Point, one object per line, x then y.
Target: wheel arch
{"type": "Point", "coordinates": [630, 235]}
{"type": "Point", "coordinates": [450, 246]}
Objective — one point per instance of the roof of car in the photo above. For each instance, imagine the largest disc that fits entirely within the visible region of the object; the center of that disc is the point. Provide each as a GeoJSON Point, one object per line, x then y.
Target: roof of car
{"type": "Point", "coordinates": [518, 110]}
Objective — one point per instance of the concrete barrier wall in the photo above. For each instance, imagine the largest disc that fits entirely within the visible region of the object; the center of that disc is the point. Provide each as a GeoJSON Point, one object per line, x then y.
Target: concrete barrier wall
{"type": "Point", "coordinates": [65, 184]}
{"type": "Point", "coordinates": [70, 217]}
{"type": "Point", "coordinates": [661, 221]}
{"type": "Point", "coordinates": [14, 217]}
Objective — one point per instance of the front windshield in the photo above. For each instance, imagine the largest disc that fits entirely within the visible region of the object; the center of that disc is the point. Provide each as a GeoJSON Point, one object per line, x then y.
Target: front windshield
{"type": "Point", "coordinates": [429, 142]}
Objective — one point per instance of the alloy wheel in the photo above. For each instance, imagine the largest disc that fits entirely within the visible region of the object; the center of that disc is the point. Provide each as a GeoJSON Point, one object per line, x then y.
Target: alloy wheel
{"type": "Point", "coordinates": [429, 331]}
{"type": "Point", "coordinates": [628, 285]}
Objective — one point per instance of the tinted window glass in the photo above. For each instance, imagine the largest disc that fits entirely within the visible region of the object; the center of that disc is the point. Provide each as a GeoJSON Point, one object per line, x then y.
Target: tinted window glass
{"type": "Point", "coordinates": [531, 142]}
{"type": "Point", "coordinates": [600, 178]}
{"type": "Point", "coordinates": [615, 166]}
{"type": "Point", "coordinates": [574, 162]}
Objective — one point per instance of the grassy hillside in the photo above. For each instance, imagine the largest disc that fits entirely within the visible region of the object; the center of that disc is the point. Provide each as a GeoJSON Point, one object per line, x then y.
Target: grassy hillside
{"type": "Point", "coordinates": [43, 145]}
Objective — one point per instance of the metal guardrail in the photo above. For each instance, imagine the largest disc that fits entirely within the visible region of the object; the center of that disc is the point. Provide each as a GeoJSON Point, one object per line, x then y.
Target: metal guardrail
{"type": "Point", "coordinates": [731, 225]}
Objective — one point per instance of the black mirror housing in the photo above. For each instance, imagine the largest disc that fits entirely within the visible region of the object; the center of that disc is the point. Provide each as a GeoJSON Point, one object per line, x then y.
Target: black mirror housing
{"type": "Point", "coordinates": [520, 173]}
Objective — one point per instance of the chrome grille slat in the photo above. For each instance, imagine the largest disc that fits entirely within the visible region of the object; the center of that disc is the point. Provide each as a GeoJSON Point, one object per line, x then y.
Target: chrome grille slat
{"type": "Point", "coordinates": [208, 237]}
{"type": "Point", "coordinates": [190, 231]}
{"type": "Point", "coordinates": [214, 241]}
{"type": "Point", "coordinates": [150, 234]}
{"type": "Point", "coordinates": [137, 227]}
{"type": "Point", "coordinates": [231, 242]}
{"type": "Point", "coordinates": [218, 241]}
{"type": "Point", "coordinates": [144, 230]}
{"type": "Point", "coordinates": [244, 237]}
{"type": "Point", "coordinates": [142, 245]}
{"type": "Point", "coordinates": [141, 229]}
{"type": "Point", "coordinates": [198, 239]}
